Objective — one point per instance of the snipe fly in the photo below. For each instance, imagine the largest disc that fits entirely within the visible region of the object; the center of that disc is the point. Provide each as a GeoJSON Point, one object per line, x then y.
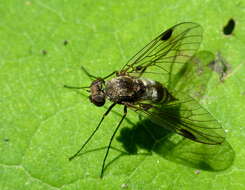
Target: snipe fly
{"type": "Point", "coordinates": [131, 88]}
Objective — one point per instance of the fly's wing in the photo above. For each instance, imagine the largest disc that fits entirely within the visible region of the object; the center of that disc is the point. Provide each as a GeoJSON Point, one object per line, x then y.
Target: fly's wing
{"type": "Point", "coordinates": [193, 77]}
{"type": "Point", "coordinates": [185, 117]}
{"type": "Point", "coordinates": [174, 46]}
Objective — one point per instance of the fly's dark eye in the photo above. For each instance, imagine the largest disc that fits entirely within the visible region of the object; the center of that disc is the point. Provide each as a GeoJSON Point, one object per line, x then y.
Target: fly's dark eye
{"type": "Point", "coordinates": [98, 100]}
{"type": "Point", "coordinates": [166, 35]}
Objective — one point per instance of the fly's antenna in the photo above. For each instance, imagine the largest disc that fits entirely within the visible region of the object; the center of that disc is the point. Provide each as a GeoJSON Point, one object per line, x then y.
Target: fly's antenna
{"type": "Point", "coordinates": [92, 77]}
{"type": "Point", "coordinates": [77, 87]}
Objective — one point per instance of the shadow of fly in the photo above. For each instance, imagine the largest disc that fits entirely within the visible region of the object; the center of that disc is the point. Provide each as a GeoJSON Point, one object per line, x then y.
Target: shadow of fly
{"type": "Point", "coordinates": [128, 87]}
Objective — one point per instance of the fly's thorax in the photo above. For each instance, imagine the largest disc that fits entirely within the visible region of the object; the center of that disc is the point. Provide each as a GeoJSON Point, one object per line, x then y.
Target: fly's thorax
{"type": "Point", "coordinates": [97, 96]}
{"type": "Point", "coordinates": [124, 89]}
{"type": "Point", "coordinates": [155, 91]}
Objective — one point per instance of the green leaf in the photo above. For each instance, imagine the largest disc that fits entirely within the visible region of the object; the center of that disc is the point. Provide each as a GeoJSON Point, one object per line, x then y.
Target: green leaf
{"type": "Point", "coordinates": [43, 45]}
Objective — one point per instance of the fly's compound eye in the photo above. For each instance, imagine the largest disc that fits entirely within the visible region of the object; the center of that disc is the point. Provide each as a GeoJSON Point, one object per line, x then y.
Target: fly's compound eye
{"type": "Point", "coordinates": [98, 100]}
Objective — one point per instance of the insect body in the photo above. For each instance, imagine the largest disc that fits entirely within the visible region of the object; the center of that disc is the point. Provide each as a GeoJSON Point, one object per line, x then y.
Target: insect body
{"type": "Point", "coordinates": [127, 90]}
{"type": "Point", "coordinates": [167, 52]}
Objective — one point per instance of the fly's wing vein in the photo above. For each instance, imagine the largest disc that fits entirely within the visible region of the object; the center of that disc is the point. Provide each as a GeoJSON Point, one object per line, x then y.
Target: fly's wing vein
{"type": "Point", "coordinates": [176, 45]}
{"type": "Point", "coordinates": [187, 118]}
{"type": "Point", "coordinates": [169, 52]}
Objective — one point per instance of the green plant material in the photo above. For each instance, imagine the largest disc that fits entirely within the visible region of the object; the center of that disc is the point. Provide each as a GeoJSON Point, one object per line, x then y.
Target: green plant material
{"type": "Point", "coordinates": [43, 45]}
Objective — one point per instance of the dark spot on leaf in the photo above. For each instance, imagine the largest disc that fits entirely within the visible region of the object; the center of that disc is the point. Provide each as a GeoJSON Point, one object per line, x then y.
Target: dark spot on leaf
{"type": "Point", "coordinates": [220, 66]}
{"type": "Point", "coordinates": [229, 27]}
{"type": "Point", "coordinates": [44, 52]}
{"type": "Point", "coordinates": [167, 34]}
{"type": "Point", "coordinates": [65, 42]}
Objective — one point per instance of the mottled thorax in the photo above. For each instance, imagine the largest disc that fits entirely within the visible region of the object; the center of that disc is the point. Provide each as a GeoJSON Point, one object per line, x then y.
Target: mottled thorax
{"type": "Point", "coordinates": [124, 89]}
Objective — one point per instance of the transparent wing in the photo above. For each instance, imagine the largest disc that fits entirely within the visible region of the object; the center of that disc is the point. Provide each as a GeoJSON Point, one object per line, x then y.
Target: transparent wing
{"type": "Point", "coordinates": [176, 45]}
{"type": "Point", "coordinates": [193, 77]}
{"type": "Point", "coordinates": [187, 118]}
{"type": "Point", "coordinates": [170, 51]}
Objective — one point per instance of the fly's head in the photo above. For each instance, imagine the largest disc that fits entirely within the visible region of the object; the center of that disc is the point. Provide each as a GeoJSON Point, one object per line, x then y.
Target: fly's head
{"type": "Point", "coordinates": [97, 96]}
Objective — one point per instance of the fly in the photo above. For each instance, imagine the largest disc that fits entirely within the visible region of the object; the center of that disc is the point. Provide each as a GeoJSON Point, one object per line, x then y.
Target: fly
{"type": "Point", "coordinates": [129, 88]}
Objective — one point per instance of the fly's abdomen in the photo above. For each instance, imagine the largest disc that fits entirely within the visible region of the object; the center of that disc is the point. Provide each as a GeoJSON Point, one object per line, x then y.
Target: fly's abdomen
{"type": "Point", "coordinates": [156, 92]}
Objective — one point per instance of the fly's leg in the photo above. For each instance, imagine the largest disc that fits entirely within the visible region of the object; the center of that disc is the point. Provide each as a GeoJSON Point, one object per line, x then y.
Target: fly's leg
{"type": "Point", "coordinates": [112, 137]}
{"type": "Point", "coordinates": [96, 129]}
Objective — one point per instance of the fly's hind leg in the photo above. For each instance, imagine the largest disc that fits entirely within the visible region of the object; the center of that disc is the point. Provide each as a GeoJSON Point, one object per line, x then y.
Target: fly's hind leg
{"type": "Point", "coordinates": [95, 130]}
{"type": "Point", "coordinates": [112, 137]}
